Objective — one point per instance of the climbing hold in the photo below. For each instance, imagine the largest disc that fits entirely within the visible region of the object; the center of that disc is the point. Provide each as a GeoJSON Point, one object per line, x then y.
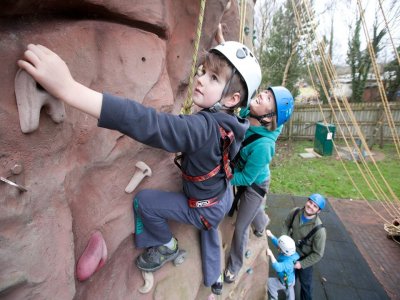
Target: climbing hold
{"type": "Point", "coordinates": [247, 254]}
{"type": "Point", "coordinates": [211, 297]}
{"type": "Point", "coordinates": [148, 282]}
{"type": "Point", "coordinates": [142, 171]}
{"type": "Point", "coordinates": [93, 258]}
{"type": "Point", "coordinates": [17, 169]}
{"type": "Point", "coordinates": [30, 100]}
{"type": "Point", "coordinates": [249, 271]}
{"type": "Point", "coordinates": [231, 295]}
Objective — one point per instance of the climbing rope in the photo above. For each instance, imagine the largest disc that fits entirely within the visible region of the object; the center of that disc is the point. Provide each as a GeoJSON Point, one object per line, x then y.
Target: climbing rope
{"type": "Point", "coordinates": [242, 20]}
{"type": "Point", "coordinates": [386, 106]}
{"type": "Point", "coordinates": [187, 105]}
{"type": "Point", "coordinates": [331, 80]}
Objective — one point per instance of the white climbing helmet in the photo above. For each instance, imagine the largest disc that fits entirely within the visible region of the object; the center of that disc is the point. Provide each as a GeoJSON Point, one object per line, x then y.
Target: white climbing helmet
{"type": "Point", "coordinates": [287, 245]}
{"type": "Point", "coordinates": [245, 63]}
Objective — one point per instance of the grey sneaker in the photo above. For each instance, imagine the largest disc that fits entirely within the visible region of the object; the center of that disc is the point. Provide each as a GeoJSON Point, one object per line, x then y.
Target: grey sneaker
{"type": "Point", "coordinates": [155, 257]}
{"type": "Point", "coordinates": [261, 233]}
{"type": "Point", "coordinates": [228, 276]}
{"type": "Point", "coordinates": [216, 288]}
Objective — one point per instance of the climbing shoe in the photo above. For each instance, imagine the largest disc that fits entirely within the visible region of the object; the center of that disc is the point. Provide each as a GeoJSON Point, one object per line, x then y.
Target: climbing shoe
{"type": "Point", "coordinates": [258, 233]}
{"type": "Point", "coordinates": [261, 233]}
{"type": "Point", "coordinates": [228, 276]}
{"type": "Point", "coordinates": [216, 288]}
{"type": "Point", "coordinates": [155, 257]}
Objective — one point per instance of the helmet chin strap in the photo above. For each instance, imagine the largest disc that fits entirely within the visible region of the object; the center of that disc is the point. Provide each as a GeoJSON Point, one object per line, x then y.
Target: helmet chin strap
{"type": "Point", "coordinates": [261, 118]}
{"type": "Point", "coordinates": [218, 105]}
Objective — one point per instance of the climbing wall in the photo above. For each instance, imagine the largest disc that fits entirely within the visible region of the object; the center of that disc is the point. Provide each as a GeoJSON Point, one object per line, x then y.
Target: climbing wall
{"type": "Point", "coordinates": [64, 184]}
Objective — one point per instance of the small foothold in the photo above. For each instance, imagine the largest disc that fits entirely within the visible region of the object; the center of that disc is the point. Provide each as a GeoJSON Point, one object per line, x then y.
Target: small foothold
{"type": "Point", "coordinates": [248, 254]}
{"type": "Point", "coordinates": [142, 170]}
{"type": "Point", "coordinates": [148, 282]}
{"type": "Point", "coordinates": [249, 271]}
{"type": "Point", "coordinates": [16, 169]}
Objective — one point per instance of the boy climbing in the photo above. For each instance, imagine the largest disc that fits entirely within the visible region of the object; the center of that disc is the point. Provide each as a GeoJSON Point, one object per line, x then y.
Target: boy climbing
{"type": "Point", "coordinates": [229, 76]}
{"type": "Point", "coordinates": [267, 112]}
{"type": "Point", "coordinates": [283, 265]}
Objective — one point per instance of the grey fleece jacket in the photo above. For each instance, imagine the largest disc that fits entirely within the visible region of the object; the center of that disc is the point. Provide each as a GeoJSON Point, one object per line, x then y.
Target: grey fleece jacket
{"type": "Point", "coordinates": [197, 136]}
{"type": "Point", "coordinates": [314, 249]}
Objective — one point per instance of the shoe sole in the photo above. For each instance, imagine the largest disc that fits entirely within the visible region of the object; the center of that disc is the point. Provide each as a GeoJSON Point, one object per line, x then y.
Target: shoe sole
{"type": "Point", "coordinates": [158, 267]}
{"type": "Point", "coordinates": [229, 280]}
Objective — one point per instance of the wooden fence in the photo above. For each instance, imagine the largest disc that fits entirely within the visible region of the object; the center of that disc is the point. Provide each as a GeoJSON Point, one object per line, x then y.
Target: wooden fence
{"type": "Point", "coordinates": [370, 117]}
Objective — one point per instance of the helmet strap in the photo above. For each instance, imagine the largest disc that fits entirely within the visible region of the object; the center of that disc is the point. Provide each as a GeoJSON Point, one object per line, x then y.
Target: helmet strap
{"type": "Point", "coordinates": [261, 118]}
{"type": "Point", "coordinates": [218, 105]}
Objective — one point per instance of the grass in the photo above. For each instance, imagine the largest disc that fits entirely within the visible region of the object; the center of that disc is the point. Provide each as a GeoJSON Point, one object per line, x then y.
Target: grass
{"type": "Point", "coordinates": [326, 175]}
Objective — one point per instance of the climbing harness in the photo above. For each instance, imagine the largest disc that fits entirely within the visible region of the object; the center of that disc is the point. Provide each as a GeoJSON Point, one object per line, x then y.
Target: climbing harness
{"type": "Point", "coordinates": [241, 189]}
{"type": "Point", "coordinates": [227, 138]}
{"type": "Point", "coordinates": [302, 242]}
{"type": "Point", "coordinates": [285, 280]}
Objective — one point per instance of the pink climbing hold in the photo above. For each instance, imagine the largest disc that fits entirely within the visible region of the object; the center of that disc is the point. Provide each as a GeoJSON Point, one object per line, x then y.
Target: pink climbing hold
{"type": "Point", "coordinates": [93, 258]}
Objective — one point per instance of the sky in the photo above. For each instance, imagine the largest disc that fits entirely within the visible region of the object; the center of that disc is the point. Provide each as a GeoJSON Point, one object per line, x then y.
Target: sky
{"type": "Point", "coordinates": [345, 13]}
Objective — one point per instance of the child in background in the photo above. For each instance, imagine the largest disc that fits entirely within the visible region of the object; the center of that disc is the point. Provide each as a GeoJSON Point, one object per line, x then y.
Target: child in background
{"type": "Point", "coordinates": [229, 77]}
{"type": "Point", "coordinates": [283, 265]}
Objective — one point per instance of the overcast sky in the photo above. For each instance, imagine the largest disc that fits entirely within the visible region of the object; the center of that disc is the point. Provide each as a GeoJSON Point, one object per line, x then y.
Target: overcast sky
{"type": "Point", "coordinates": [345, 14]}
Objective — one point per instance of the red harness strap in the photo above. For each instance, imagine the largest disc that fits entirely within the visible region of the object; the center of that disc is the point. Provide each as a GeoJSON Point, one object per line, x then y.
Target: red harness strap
{"type": "Point", "coordinates": [205, 222]}
{"type": "Point", "coordinates": [227, 139]}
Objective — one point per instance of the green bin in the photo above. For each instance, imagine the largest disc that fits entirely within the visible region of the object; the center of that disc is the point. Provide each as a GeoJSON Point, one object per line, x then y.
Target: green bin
{"type": "Point", "coordinates": [323, 141]}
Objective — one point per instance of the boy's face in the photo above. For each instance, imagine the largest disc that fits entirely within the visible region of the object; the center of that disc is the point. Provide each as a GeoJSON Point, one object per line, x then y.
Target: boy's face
{"type": "Point", "coordinates": [262, 104]}
{"type": "Point", "coordinates": [208, 87]}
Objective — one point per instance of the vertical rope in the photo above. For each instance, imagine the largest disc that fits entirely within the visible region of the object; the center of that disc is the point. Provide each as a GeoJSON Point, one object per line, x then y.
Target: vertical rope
{"type": "Point", "coordinates": [187, 105]}
{"type": "Point", "coordinates": [242, 20]}
{"type": "Point", "coordinates": [370, 179]}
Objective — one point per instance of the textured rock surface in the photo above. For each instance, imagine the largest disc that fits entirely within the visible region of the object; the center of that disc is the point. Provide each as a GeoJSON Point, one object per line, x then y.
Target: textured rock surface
{"type": "Point", "coordinates": [76, 173]}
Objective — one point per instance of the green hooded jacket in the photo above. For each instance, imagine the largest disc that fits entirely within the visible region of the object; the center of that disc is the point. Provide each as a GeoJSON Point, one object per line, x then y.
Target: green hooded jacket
{"type": "Point", "coordinates": [253, 167]}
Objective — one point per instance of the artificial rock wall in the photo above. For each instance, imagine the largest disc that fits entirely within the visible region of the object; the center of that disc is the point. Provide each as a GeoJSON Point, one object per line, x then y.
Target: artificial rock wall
{"type": "Point", "coordinates": [75, 173]}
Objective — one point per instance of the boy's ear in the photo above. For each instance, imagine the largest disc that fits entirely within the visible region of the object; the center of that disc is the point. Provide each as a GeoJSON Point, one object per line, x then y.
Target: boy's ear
{"type": "Point", "coordinates": [232, 100]}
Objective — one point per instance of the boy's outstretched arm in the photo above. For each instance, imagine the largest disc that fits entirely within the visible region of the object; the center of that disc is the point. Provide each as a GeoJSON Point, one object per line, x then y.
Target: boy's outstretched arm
{"type": "Point", "coordinates": [271, 255]}
{"type": "Point", "coordinates": [52, 73]}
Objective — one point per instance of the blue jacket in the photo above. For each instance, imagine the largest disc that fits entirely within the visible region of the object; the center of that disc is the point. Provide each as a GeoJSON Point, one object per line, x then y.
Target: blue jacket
{"type": "Point", "coordinates": [197, 136]}
{"type": "Point", "coordinates": [253, 167]}
{"type": "Point", "coordinates": [284, 264]}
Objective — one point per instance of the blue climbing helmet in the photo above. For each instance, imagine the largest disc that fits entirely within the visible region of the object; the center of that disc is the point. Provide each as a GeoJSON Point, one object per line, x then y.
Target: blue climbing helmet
{"type": "Point", "coordinates": [284, 104]}
{"type": "Point", "coordinates": [319, 200]}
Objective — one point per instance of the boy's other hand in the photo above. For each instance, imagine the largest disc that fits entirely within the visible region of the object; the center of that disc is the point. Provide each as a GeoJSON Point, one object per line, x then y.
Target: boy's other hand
{"type": "Point", "coordinates": [269, 252]}
{"type": "Point", "coordinates": [269, 233]}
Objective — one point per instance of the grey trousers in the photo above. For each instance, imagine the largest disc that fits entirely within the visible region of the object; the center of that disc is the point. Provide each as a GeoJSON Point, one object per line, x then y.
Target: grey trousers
{"type": "Point", "coordinates": [250, 212]}
{"type": "Point", "coordinates": [274, 285]}
{"type": "Point", "coordinates": [153, 209]}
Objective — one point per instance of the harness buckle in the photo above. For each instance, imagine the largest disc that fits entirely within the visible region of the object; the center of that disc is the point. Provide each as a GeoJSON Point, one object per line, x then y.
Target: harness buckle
{"type": "Point", "coordinates": [194, 203]}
